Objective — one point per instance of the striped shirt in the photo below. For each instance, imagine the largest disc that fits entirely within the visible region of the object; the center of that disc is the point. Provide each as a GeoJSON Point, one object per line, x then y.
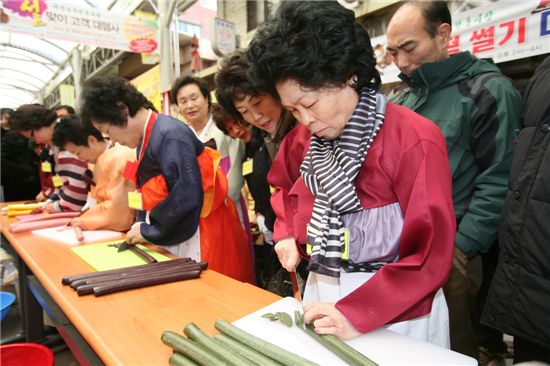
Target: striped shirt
{"type": "Point", "coordinates": [76, 183]}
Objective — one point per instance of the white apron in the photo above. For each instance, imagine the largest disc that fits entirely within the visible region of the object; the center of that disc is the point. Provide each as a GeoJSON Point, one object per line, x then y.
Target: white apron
{"type": "Point", "coordinates": [190, 248]}
{"type": "Point", "coordinates": [432, 327]}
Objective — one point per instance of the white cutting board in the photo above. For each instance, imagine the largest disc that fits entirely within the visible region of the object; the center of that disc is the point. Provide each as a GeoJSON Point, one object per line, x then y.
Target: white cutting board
{"type": "Point", "coordinates": [68, 236]}
{"type": "Point", "coordinates": [381, 346]}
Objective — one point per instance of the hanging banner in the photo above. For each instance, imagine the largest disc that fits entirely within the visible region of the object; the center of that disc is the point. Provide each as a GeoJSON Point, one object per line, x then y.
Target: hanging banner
{"type": "Point", "coordinates": [148, 84]}
{"type": "Point", "coordinates": [503, 30]}
{"type": "Point", "coordinates": [66, 94]}
{"type": "Point", "coordinates": [152, 58]}
{"type": "Point", "coordinates": [500, 30]}
{"type": "Point", "coordinates": [52, 19]}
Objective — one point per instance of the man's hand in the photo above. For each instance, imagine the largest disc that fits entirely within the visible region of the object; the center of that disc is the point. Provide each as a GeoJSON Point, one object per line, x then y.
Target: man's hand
{"type": "Point", "coordinates": [460, 261]}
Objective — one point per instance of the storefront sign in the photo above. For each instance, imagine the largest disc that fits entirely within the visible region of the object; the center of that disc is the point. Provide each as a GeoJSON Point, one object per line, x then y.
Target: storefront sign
{"type": "Point", "coordinates": [223, 36]}
{"type": "Point", "coordinates": [64, 21]}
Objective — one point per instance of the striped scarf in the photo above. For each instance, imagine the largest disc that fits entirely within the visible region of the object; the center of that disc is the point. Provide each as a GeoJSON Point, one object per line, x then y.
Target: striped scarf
{"type": "Point", "coordinates": [329, 171]}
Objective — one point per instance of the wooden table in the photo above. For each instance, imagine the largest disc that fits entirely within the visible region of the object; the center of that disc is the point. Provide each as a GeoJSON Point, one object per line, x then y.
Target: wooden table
{"type": "Point", "coordinates": [125, 328]}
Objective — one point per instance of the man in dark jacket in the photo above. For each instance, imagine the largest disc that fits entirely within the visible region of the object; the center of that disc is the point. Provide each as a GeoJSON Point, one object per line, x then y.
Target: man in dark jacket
{"type": "Point", "coordinates": [478, 111]}
{"type": "Point", "coordinates": [519, 298]}
{"type": "Point", "coordinates": [19, 164]}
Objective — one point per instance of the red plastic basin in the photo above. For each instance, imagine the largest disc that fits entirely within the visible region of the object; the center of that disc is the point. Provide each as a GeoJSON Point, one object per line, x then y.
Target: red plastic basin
{"type": "Point", "coordinates": [26, 354]}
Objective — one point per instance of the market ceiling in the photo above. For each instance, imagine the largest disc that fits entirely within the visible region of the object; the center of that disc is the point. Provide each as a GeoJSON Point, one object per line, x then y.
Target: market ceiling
{"type": "Point", "coordinates": [29, 63]}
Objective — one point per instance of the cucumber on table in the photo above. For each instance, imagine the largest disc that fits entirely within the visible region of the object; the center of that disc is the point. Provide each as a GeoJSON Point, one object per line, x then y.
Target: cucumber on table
{"type": "Point", "coordinates": [252, 355]}
{"type": "Point", "coordinates": [277, 353]}
{"type": "Point", "coordinates": [191, 349]}
{"type": "Point", "coordinates": [193, 332]}
{"type": "Point", "coordinates": [177, 359]}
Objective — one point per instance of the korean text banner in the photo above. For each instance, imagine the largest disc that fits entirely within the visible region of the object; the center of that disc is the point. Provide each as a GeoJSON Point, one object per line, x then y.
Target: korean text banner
{"type": "Point", "coordinates": [503, 30]}
{"type": "Point", "coordinates": [68, 22]}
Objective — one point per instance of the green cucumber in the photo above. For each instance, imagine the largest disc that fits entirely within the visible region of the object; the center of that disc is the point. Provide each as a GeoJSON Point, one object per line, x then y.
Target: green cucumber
{"type": "Point", "coordinates": [190, 349]}
{"type": "Point", "coordinates": [177, 359]}
{"type": "Point", "coordinates": [347, 353]}
{"type": "Point", "coordinates": [341, 349]}
{"type": "Point", "coordinates": [270, 350]}
{"type": "Point", "coordinates": [252, 355]}
{"type": "Point", "coordinates": [193, 332]}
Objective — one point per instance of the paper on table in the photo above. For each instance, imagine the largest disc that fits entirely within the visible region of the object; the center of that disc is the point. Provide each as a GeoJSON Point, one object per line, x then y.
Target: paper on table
{"type": "Point", "coordinates": [68, 236]}
{"type": "Point", "coordinates": [105, 256]}
{"type": "Point", "coordinates": [381, 346]}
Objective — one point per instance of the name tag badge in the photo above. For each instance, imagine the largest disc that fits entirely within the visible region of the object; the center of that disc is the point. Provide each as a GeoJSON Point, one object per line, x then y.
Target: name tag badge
{"type": "Point", "coordinates": [345, 254]}
{"type": "Point", "coordinates": [57, 181]}
{"type": "Point", "coordinates": [46, 167]}
{"type": "Point", "coordinates": [135, 201]}
{"type": "Point", "coordinates": [247, 167]}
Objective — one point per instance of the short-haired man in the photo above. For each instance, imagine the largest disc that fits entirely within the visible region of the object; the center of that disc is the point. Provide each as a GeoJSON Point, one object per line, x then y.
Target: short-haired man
{"type": "Point", "coordinates": [478, 111]}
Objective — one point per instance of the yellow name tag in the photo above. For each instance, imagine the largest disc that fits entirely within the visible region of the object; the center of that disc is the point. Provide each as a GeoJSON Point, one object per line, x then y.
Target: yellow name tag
{"type": "Point", "coordinates": [46, 167]}
{"type": "Point", "coordinates": [247, 167]}
{"type": "Point", "coordinates": [345, 254]}
{"type": "Point", "coordinates": [271, 189]}
{"type": "Point", "coordinates": [57, 181]}
{"type": "Point", "coordinates": [135, 201]}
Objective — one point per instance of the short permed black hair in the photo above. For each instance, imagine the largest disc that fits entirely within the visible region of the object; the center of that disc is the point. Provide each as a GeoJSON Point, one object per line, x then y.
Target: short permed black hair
{"type": "Point", "coordinates": [232, 80]}
{"type": "Point", "coordinates": [317, 45]}
{"type": "Point", "coordinates": [186, 80]}
{"type": "Point", "coordinates": [31, 117]}
{"type": "Point", "coordinates": [71, 129]}
{"type": "Point", "coordinates": [435, 13]}
{"type": "Point", "coordinates": [66, 107]}
{"type": "Point", "coordinates": [220, 116]}
{"type": "Point", "coordinates": [104, 99]}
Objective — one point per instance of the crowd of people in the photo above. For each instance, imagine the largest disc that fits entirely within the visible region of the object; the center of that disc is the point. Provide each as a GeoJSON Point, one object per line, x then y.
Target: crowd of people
{"type": "Point", "coordinates": [424, 213]}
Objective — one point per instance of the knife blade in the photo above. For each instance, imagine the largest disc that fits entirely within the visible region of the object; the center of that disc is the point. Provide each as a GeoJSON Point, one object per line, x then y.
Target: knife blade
{"type": "Point", "coordinates": [122, 246]}
{"type": "Point", "coordinates": [296, 289]}
{"type": "Point", "coordinates": [134, 248]}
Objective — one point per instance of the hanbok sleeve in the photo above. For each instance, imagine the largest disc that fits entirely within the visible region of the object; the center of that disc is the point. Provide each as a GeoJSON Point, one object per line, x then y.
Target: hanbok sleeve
{"type": "Point", "coordinates": [179, 212]}
{"type": "Point", "coordinates": [404, 290]}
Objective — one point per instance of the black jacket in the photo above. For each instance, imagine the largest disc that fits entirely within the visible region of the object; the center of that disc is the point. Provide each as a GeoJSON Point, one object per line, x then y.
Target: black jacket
{"type": "Point", "coordinates": [19, 168]}
{"type": "Point", "coordinates": [519, 299]}
{"type": "Point", "coordinates": [257, 180]}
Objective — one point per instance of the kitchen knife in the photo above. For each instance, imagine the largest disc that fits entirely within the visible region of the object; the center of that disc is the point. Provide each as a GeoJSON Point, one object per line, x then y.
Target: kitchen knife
{"type": "Point", "coordinates": [122, 246]}
{"type": "Point", "coordinates": [296, 288]}
{"type": "Point", "coordinates": [134, 248]}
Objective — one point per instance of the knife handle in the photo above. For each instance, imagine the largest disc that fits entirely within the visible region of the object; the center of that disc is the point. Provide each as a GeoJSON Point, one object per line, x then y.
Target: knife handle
{"type": "Point", "coordinates": [143, 254]}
